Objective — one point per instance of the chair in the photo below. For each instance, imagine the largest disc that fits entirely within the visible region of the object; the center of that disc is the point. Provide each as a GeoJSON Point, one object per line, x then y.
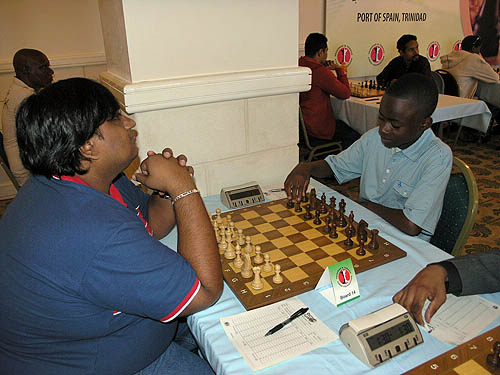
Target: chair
{"type": "Point", "coordinates": [329, 147]}
{"type": "Point", "coordinates": [5, 164]}
{"type": "Point", "coordinates": [459, 210]}
{"type": "Point", "coordinates": [439, 81]}
{"type": "Point", "coordinates": [450, 88]}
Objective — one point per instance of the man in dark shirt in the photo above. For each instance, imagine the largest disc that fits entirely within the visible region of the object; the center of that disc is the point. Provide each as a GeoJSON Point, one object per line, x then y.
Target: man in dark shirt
{"type": "Point", "coordinates": [408, 61]}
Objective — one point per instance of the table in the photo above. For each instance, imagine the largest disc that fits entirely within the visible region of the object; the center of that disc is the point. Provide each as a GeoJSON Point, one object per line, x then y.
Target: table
{"type": "Point", "coordinates": [361, 114]}
{"type": "Point", "coordinates": [377, 286]}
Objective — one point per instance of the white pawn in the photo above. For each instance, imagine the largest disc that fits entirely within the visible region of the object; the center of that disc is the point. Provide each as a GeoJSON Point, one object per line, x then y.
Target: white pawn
{"type": "Point", "coordinates": [257, 282]}
{"type": "Point", "coordinates": [222, 244]}
{"type": "Point", "coordinates": [241, 237]}
{"type": "Point", "coordinates": [258, 259]}
{"type": "Point", "coordinates": [238, 262]}
{"type": "Point", "coordinates": [268, 267]}
{"type": "Point", "coordinates": [216, 231]}
{"type": "Point", "coordinates": [246, 269]}
{"type": "Point", "coordinates": [248, 245]}
{"type": "Point", "coordinates": [229, 251]}
{"type": "Point", "coordinates": [277, 278]}
{"type": "Point", "coordinates": [218, 219]}
{"type": "Point", "coordinates": [234, 235]}
{"type": "Point", "coordinates": [228, 219]}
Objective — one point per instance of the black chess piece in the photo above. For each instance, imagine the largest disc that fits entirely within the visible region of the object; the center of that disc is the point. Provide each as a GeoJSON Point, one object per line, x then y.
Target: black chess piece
{"type": "Point", "coordinates": [308, 215]}
{"type": "Point", "coordinates": [317, 220]}
{"type": "Point", "coordinates": [333, 232]}
{"type": "Point", "coordinates": [298, 208]}
{"type": "Point", "coordinates": [289, 203]}
{"type": "Point", "coordinates": [361, 250]}
{"type": "Point", "coordinates": [304, 198]}
{"type": "Point", "coordinates": [373, 245]}
{"type": "Point", "coordinates": [323, 208]}
{"type": "Point", "coordinates": [327, 228]}
{"type": "Point", "coordinates": [332, 204]}
{"type": "Point", "coordinates": [348, 241]}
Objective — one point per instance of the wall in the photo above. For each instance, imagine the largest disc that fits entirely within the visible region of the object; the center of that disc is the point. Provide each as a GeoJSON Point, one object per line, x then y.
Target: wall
{"type": "Point", "coordinates": [67, 31]}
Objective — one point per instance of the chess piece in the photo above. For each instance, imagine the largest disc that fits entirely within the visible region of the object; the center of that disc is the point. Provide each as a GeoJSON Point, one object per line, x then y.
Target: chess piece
{"type": "Point", "coordinates": [348, 241]}
{"type": "Point", "coordinates": [323, 198]}
{"type": "Point", "coordinates": [277, 278]}
{"type": "Point", "coordinates": [289, 203]}
{"type": "Point", "coordinates": [297, 207]}
{"type": "Point", "coordinates": [373, 245]}
{"type": "Point", "coordinates": [246, 268]}
{"type": "Point", "coordinates": [317, 220]}
{"type": "Point", "coordinates": [327, 228]}
{"type": "Point", "coordinates": [323, 208]}
{"type": "Point", "coordinates": [248, 245]}
{"type": "Point", "coordinates": [304, 198]}
{"type": "Point", "coordinates": [493, 359]}
{"type": "Point", "coordinates": [268, 267]}
{"type": "Point", "coordinates": [333, 232]}
{"type": "Point", "coordinates": [332, 204]}
{"type": "Point", "coordinates": [218, 218]}
{"type": "Point", "coordinates": [238, 262]}
{"type": "Point", "coordinates": [216, 231]}
{"type": "Point", "coordinates": [232, 228]}
{"type": "Point", "coordinates": [241, 237]}
{"type": "Point", "coordinates": [362, 232]}
{"type": "Point", "coordinates": [258, 259]}
{"type": "Point", "coordinates": [342, 220]}
{"type": "Point", "coordinates": [222, 243]}
{"type": "Point", "coordinates": [257, 281]}
{"type": "Point", "coordinates": [312, 198]}
{"type": "Point", "coordinates": [361, 250]}
{"type": "Point", "coordinates": [308, 215]}
{"type": "Point", "coordinates": [229, 251]}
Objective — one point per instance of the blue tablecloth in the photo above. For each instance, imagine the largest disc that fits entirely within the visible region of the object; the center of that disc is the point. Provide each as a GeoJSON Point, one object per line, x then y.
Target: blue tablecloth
{"type": "Point", "coordinates": [377, 286]}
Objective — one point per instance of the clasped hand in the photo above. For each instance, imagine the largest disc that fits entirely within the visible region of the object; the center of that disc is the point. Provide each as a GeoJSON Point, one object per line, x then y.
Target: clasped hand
{"type": "Point", "coordinates": [166, 173]}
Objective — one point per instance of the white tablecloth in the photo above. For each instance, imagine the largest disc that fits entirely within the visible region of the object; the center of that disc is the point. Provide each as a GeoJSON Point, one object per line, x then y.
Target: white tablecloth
{"type": "Point", "coordinates": [377, 286]}
{"type": "Point", "coordinates": [361, 114]}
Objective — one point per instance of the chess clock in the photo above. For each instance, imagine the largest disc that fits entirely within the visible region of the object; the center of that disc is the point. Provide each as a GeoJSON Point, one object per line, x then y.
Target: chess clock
{"type": "Point", "coordinates": [241, 195]}
{"type": "Point", "coordinates": [381, 335]}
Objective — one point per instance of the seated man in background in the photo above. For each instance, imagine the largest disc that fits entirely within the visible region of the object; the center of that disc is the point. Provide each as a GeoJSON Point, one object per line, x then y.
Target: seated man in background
{"type": "Point", "coordinates": [408, 61]}
{"type": "Point", "coordinates": [462, 276]}
{"type": "Point", "coordinates": [87, 288]}
{"type": "Point", "coordinates": [404, 167]}
{"type": "Point", "coordinates": [475, 77]}
{"type": "Point", "coordinates": [315, 104]}
{"type": "Point", "coordinates": [33, 73]}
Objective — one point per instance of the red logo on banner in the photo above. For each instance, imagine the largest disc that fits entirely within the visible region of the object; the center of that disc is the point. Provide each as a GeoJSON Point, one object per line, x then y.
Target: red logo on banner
{"type": "Point", "coordinates": [376, 54]}
{"type": "Point", "coordinates": [344, 55]}
{"type": "Point", "coordinates": [457, 46]}
{"type": "Point", "coordinates": [344, 276]}
{"type": "Point", "coordinates": [433, 51]}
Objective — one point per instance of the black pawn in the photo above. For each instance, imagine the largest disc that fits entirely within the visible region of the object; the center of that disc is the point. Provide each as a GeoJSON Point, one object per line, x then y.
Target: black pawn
{"type": "Point", "coordinates": [317, 220]}
{"type": "Point", "coordinates": [323, 208]}
{"type": "Point", "coordinates": [297, 207]}
{"type": "Point", "coordinates": [361, 250]}
{"type": "Point", "coordinates": [304, 198]}
{"type": "Point", "coordinates": [327, 228]}
{"type": "Point", "coordinates": [308, 215]}
{"type": "Point", "coordinates": [348, 241]}
{"type": "Point", "coordinates": [289, 203]}
{"type": "Point", "coordinates": [333, 233]}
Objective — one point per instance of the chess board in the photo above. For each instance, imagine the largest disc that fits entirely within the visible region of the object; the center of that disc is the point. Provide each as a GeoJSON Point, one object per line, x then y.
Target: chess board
{"type": "Point", "coordinates": [367, 93]}
{"type": "Point", "coordinates": [468, 358]}
{"type": "Point", "coordinates": [301, 248]}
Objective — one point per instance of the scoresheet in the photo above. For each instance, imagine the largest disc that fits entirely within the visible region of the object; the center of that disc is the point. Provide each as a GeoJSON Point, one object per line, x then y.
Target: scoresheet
{"type": "Point", "coordinates": [246, 331]}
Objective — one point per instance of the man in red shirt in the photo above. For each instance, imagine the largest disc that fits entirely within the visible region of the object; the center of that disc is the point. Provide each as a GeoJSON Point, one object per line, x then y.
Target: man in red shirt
{"type": "Point", "coordinates": [315, 103]}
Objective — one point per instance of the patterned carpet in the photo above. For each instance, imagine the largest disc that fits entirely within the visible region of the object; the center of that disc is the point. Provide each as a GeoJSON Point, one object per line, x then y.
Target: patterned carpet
{"type": "Point", "coordinates": [483, 159]}
{"type": "Point", "coordinates": [484, 162]}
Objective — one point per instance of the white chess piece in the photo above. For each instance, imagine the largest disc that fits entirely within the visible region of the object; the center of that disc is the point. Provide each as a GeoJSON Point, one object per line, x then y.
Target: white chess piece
{"type": "Point", "coordinates": [218, 219]}
{"type": "Point", "coordinates": [238, 262]}
{"type": "Point", "coordinates": [241, 237]}
{"type": "Point", "coordinates": [277, 278]}
{"type": "Point", "coordinates": [248, 245]}
{"type": "Point", "coordinates": [246, 269]}
{"type": "Point", "coordinates": [268, 267]}
{"type": "Point", "coordinates": [258, 259]}
{"type": "Point", "coordinates": [257, 281]}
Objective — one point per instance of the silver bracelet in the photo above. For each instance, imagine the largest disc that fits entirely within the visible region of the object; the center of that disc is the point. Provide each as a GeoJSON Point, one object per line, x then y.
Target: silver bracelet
{"type": "Point", "coordinates": [185, 194]}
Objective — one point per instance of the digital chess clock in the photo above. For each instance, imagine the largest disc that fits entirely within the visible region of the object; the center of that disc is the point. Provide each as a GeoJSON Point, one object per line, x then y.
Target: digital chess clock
{"type": "Point", "coordinates": [241, 195]}
{"type": "Point", "coordinates": [381, 335]}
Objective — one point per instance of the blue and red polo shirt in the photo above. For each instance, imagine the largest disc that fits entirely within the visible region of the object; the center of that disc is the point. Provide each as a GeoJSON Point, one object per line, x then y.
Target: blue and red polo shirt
{"type": "Point", "coordinates": [84, 288]}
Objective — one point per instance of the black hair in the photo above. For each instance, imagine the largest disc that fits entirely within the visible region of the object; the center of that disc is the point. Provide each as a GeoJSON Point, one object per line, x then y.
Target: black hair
{"type": "Point", "coordinates": [53, 124]}
{"type": "Point", "coordinates": [401, 44]}
{"type": "Point", "coordinates": [315, 42]}
{"type": "Point", "coordinates": [471, 41]}
{"type": "Point", "coordinates": [418, 88]}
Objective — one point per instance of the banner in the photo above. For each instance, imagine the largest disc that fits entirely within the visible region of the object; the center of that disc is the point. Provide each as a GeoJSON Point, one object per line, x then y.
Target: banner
{"type": "Point", "coordinates": [363, 33]}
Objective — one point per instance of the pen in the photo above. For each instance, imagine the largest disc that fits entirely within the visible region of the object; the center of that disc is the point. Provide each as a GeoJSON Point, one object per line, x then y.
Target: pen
{"type": "Point", "coordinates": [295, 315]}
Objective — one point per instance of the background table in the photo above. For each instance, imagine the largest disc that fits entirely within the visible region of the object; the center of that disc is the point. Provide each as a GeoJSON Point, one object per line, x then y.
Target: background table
{"type": "Point", "coordinates": [377, 286]}
{"type": "Point", "coordinates": [361, 114]}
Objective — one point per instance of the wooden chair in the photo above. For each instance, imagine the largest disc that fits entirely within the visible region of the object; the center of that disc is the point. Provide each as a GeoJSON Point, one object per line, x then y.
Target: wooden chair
{"type": "Point", "coordinates": [459, 210]}
{"type": "Point", "coordinates": [329, 147]}
{"type": "Point", "coordinates": [452, 88]}
{"type": "Point", "coordinates": [5, 164]}
{"type": "Point", "coordinates": [439, 81]}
